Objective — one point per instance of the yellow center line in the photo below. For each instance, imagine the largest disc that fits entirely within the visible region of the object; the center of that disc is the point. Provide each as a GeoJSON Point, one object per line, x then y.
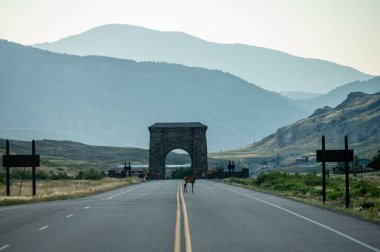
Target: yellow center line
{"type": "Point", "coordinates": [177, 242]}
{"type": "Point", "coordinates": [186, 224]}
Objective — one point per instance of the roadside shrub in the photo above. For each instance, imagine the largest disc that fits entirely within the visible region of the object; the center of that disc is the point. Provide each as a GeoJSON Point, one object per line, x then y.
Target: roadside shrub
{"type": "Point", "coordinates": [59, 176]}
{"type": "Point", "coordinates": [20, 174]}
{"type": "Point", "coordinates": [47, 163]}
{"type": "Point", "coordinates": [90, 174]}
{"type": "Point", "coordinates": [312, 179]}
{"type": "Point", "coordinates": [334, 194]}
{"type": "Point", "coordinates": [297, 183]}
{"type": "Point", "coordinates": [261, 178]}
{"type": "Point", "coordinates": [42, 175]}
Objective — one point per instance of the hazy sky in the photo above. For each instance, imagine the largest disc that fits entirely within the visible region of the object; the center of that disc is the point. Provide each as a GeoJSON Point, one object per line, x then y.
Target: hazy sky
{"type": "Point", "coordinates": [343, 31]}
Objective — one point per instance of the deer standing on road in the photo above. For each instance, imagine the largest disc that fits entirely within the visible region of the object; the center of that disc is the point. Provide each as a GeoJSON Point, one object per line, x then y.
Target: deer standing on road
{"type": "Point", "coordinates": [189, 180]}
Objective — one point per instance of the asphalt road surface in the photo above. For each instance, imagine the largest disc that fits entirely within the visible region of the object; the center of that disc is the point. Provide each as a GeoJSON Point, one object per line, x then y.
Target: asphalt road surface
{"type": "Point", "coordinates": [157, 216]}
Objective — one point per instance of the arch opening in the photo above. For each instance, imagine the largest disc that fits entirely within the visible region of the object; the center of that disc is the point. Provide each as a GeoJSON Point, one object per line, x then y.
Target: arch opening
{"type": "Point", "coordinates": [176, 160]}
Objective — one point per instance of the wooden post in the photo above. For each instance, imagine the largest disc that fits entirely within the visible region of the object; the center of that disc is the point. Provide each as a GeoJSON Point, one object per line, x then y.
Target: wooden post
{"type": "Point", "coordinates": [7, 175]}
{"type": "Point", "coordinates": [21, 161]}
{"type": "Point", "coordinates": [347, 171]}
{"type": "Point", "coordinates": [345, 156]}
{"type": "Point", "coordinates": [129, 169]}
{"type": "Point", "coordinates": [323, 170]}
{"type": "Point", "coordinates": [34, 167]}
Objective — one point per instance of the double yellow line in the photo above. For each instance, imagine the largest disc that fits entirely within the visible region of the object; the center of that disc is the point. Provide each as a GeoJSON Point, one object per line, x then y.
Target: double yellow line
{"type": "Point", "coordinates": [177, 241]}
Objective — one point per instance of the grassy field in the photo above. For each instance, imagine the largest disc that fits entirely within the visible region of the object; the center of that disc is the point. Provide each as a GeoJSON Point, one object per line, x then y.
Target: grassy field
{"type": "Point", "coordinates": [57, 176]}
{"type": "Point", "coordinates": [48, 190]}
{"type": "Point", "coordinates": [308, 188]}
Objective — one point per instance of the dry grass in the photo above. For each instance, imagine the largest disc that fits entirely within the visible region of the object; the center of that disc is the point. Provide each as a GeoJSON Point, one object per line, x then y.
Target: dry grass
{"type": "Point", "coordinates": [60, 189]}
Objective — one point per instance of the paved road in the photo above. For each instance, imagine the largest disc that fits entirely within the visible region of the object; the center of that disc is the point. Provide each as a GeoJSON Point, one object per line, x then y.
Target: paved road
{"type": "Point", "coordinates": [156, 216]}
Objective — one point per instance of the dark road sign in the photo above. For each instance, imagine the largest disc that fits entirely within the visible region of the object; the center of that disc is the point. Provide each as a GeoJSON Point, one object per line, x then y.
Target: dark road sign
{"type": "Point", "coordinates": [335, 156]}
{"type": "Point", "coordinates": [21, 160]}
{"type": "Point", "coordinates": [345, 156]}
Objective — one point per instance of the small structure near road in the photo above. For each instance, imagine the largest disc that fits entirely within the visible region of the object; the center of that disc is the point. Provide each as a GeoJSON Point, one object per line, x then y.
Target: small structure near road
{"type": "Point", "coordinates": [165, 137]}
{"type": "Point", "coordinates": [244, 173]}
{"type": "Point", "coordinates": [375, 164]}
{"type": "Point", "coordinates": [119, 170]}
{"type": "Point", "coordinates": [302, 160]}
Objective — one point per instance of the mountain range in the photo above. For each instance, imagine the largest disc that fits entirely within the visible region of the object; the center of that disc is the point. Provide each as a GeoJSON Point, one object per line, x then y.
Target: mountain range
{"type": "Point", "coordinates": [339, 94]}
{"type": "Point", "coordinates": [107, 101]}
{"type": "Point", "coordinates": [106, 155]}
{"type": "Point", "coordinates": [269, 69]}
{"type": "Point", "coordinates": [358, 116]}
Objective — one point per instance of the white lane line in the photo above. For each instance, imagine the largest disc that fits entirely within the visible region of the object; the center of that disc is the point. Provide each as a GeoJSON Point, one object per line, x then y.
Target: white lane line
{"type": "Point", "coordinates": [87, 207]}
{"type": "Point", "coordinates": [42, 228]}
{"type": "Point", "coordinates": [111, 197]}
{"type": "Point", "coordinates": [4, 247]}
{"type": "Point", "coordinates": [45, 204]}
{"type": "Point", "coordinates": [307, 219]}
{"type": "Point", "coordinates": [10, 208]}
{"type": "Point", "coordinates": [70, 215]}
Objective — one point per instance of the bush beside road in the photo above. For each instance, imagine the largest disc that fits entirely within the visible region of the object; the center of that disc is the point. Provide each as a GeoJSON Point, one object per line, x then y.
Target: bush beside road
{"type": "Point", "coordinates": [308, 188]}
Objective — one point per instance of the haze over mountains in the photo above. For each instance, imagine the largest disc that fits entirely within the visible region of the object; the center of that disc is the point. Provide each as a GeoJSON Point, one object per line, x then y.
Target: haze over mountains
{"type": "Point", "coordinates": [110, 101]}
{"type": "Point", "coordinates": [339, 94]}
{"type": "Point", "coordinates": [81, 152]}
{"type": "Point", "coordinates": [358, 117]}
{"type": "Point", "coordinates": [269, 69]}
{"type": "Point", "coordinates": [107, 101]}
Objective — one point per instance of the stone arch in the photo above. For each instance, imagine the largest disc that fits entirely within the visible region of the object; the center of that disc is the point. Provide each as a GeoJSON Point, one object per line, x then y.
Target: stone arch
{"type": "Point", "coordinates": [165, 137]}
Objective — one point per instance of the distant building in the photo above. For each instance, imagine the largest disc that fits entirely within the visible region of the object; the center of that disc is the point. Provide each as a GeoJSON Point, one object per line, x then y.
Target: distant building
{"type": "Point", "coordinates": [374, 165]}
{"type": "Point", "coordinates": [302, 160]}
{"type": "Point", "coordinates": [364, 162]}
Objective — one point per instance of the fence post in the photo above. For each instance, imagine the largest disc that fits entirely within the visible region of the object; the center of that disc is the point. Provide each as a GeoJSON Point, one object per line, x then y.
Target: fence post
{"type": "Point", "coordinates": [347, 171]}
{"type": "Point", "coordinates": [34, 167]}
{"type": "Point", "coordinates": [323, 170]}
{"type": "Point", "coordinates": [7, 175]}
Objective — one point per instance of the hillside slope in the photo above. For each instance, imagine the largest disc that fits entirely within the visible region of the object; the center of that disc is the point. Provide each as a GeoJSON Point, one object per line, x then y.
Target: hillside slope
{"type": "Point", "coordinates": [82, 152]}
{"type": "Point", "coordinates": [106, 101]}
{"type": "Point", "coordinates": [270, 69]}
{"type": "Point", "coordinates": [358, 117]}
{"type": "Point", "coordinates": [339, 94]}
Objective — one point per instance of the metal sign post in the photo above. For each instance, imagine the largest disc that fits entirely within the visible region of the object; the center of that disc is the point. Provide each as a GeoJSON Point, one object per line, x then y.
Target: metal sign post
{"type": "Point", "coordinates": [7, 169]}
{"type": "Point", "coordinates": [345, 156]}
{"type": "Point", "coordinates": [323, 170]}
{"type": "Point", "coordinates": [347, 171]}
{"type": "Point", "coordinates": [34, 167]}
{"type": "Point", "coordinates": [129, 168]}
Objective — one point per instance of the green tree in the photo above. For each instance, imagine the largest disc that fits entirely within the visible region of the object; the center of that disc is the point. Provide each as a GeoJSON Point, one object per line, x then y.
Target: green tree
{"type": "Point", "coordinates": [182, 172]}
{"type": "Point", "coordinates": [59, 175]}
{"type": "Point", "coordinates": [90, 174]}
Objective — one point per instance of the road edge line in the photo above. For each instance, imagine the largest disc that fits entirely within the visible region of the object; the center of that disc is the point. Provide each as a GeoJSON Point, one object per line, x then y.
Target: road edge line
{"type": "Point", "coordinates": [4, 247]}
{"type": "Point", "coordinates": [307, 219]}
